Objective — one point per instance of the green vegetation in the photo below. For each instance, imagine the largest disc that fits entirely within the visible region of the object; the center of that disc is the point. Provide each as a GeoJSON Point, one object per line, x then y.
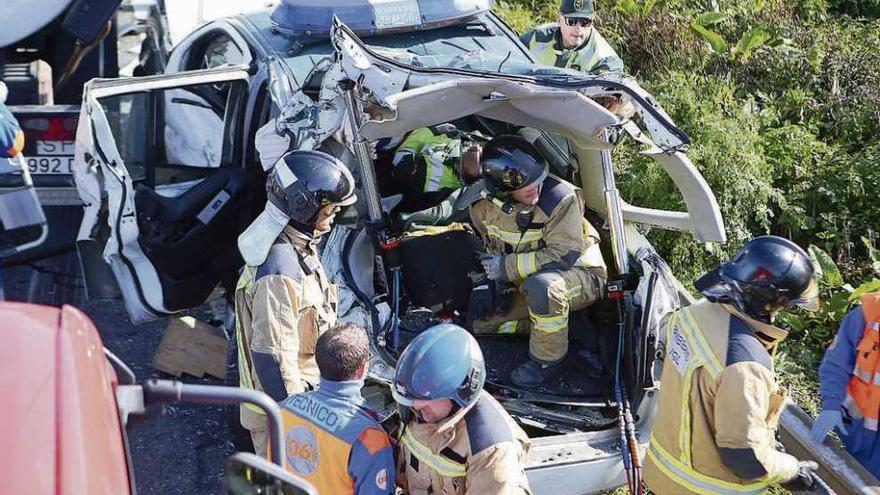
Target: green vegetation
{"type": "Point", "coordinates": [781, 99]}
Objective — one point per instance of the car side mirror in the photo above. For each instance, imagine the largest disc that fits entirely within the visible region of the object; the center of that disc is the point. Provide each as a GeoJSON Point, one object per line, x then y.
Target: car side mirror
{"type": "Point", "coordinates": [248, 474]}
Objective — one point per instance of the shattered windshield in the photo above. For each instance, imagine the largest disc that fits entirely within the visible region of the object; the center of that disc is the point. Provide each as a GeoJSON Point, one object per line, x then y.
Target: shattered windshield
{"type": "Point", "coordinates": [483, 44]}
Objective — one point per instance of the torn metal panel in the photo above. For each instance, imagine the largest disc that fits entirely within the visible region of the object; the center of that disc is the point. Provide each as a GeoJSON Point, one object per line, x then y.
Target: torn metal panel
{"type": "Point", "coordinates": [564, 112]}
{"type": "Point", "coordinates": [377, 71]}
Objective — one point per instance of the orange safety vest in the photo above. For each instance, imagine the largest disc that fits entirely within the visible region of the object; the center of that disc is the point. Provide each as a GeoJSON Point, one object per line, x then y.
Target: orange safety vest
{"type": "Point", "coordinates": [863, 392]}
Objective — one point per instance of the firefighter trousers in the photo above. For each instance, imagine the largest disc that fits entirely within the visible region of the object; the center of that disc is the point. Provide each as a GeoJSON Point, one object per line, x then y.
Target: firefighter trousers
{"type": "Point", "coordinates": [541, 305]}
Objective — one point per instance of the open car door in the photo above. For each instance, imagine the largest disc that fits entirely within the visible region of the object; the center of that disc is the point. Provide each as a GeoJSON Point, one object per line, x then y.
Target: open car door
{"type": "Point", "coordinates": [160, 171]}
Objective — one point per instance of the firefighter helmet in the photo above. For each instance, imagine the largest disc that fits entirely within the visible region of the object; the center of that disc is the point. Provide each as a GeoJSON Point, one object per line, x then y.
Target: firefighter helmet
{"type": "Point", "coordinates": [509, 163]}
{"type": "Point", "coordinates": [443, 362]}
{"type": "Point", "coordinates": [766, 275]}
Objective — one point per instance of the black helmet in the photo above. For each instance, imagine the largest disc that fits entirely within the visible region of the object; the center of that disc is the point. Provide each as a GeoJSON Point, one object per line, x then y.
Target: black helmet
{"type": "Point", "coordinates": [510, 162]}
{"type": "Point", "coordinates": [443, 362]}
{"type": "Point", "coordinates": [303, 182]}
{"type": "Point", "coordinates": [766, 275]}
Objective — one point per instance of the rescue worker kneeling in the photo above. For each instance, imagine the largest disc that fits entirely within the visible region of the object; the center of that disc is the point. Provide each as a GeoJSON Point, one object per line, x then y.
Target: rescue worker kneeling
{"type": "Point", "coordinates": [283, 300]}
{"type": "Point", "coordinates": [719, 404]}
{"type": "Point", "coordinates": [455, 438]}
{"type": "Point", "coordinates": [332, 439]}
{"type": "Point", "coordinates": [539, 243]}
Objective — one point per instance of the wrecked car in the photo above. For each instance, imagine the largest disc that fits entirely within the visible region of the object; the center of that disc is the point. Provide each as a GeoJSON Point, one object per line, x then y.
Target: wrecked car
{"type": "Point", "coordinates": [164, 204]}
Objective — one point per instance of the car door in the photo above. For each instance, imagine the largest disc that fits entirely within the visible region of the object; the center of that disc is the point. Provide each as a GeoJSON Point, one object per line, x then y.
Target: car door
{"type": "Point", "coordinates": [160, 169]}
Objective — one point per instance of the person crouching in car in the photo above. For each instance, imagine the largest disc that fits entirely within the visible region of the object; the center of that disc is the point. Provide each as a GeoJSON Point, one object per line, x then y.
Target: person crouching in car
{"type": "Point", "coordinates": [538, 242]}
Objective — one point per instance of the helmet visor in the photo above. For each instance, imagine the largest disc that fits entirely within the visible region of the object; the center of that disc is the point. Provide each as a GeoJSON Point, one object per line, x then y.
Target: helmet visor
{"type": "Point", "coordinates": [400, 398]}
{"type": "Point", "coordinates": [809, 299]}
{"type": "Point", "coordinates": [348, 201]}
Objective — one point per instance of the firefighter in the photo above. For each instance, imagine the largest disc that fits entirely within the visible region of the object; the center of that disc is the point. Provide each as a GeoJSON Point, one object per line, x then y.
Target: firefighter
{"type": "Point", "coordinates": [332, 439]}
{"type": "Point", "coordinates": [541, 252]}
{"type": "Point", "coordinates": [455, 438]}
{"type": "Point", "coordinates": [719, 406]}
{"type": "Point", "coordinates": [430, 165]}
{"type": "Point", "coordinates": [283, 300]}
{"type": "Point", "coordinates": [572, 42]}
{"type": "Point", "coordinates": [850, 384]}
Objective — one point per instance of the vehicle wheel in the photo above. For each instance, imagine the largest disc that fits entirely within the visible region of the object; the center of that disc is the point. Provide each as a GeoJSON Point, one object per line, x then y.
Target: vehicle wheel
{"type": "Point", "coordinates": [241, 437]}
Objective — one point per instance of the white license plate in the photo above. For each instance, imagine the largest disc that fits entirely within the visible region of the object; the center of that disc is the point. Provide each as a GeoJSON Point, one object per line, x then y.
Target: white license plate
{"type": "Point", "coordinates": [49, 165]}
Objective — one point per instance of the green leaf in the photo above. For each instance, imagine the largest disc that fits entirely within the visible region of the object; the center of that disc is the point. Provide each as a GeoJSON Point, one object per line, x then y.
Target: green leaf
{"type": "Point", "coordinates": [714, 39]}
{"type": "Point", "coordinates": [750, 40]}
{"type": "Point", "coordinates": [709, 18]}
{"type": "Point", "coordinates": [828, 272]}
{"type": "Point", "coordinates": [838, 304]}
{"type": "Point", "coordinates": [873, 253]}
{"type": "Point", "coordinates": [627, 7]}
{"type": "Point", "coordinates": [871, 286]}
{"type": "Point", "coordinates": [793, 321]}
{"type": "Point", "coordinates": [648, 7]}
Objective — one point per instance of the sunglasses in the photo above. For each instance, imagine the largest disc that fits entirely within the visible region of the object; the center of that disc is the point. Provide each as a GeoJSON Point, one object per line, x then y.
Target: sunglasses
{"type": "Point", "coordinates": [581, 21]}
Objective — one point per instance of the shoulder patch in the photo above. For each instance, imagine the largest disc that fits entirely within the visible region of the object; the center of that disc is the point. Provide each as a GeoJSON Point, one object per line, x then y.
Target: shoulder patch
{"type": "Point", "coordinates": [553, 192]}
{"type": "Point", "coordinates": [282, 260]}
{"type": "Point", "coordinates": [744, 346]}
{"type": "Point", "coordinates": [374, 440]}
{"type": "Point", "coordinates": [486, 426]}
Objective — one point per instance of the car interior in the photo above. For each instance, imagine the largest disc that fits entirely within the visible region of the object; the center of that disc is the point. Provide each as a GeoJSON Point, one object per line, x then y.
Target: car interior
{"type": "Point", "coordinates": [435, 268]}
{"type": "Point", "coordinates": [190, 191]}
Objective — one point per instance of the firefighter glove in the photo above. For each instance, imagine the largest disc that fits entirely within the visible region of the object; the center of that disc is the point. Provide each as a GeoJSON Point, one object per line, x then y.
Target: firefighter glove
{"type": "Point", "coordinates": [493, 266]}
{"type": "Point", "coordinates": [827, 421]}
{"type": "Point", "coordinates": [481, 304]}
{"type": "Point", "coordinates": [804, 479]}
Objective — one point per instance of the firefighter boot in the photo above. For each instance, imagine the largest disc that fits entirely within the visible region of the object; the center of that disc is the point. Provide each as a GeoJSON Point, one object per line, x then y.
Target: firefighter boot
{"type": "Point", "coordinates": [534, 372]}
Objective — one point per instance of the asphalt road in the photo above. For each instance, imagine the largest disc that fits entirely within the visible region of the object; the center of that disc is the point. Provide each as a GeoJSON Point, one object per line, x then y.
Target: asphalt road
{"type": "Point", "coordinates": [182, 452]}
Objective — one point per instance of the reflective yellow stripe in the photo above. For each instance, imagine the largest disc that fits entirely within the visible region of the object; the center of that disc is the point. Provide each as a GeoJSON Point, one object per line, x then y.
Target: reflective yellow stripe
{"type": "Point", "coordinates": [573, 291]}
{"type": "Point", "coordinates": [592, 258]}
{"type": "Point", "coordinates": [245, 380]}
{"type": "Point", "coordinates": [514, 238]}
{"type": "Point", "coordinates": [526, 264]}
{"type": "Point", "coordinates": [695, 481]}
{"type": "Point", "coordinates": [549, 324]}
{"type": "Point", "coordinates": [507, 327]}
{"type": "Point", "coordinates": [684, 433]}
{"type": "Point", "coordinates": [444, 466]}
{"type": "Point", "coordinates": [697, 340]}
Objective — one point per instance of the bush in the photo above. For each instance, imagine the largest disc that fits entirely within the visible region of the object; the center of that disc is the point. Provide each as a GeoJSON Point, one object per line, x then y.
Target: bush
{"type": "Point", "coordinates": [781, 100]}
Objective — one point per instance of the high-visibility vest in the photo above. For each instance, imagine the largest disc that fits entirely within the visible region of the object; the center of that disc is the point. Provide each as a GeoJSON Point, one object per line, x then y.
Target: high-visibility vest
{"type": "Point", "coordinates": [437, 153]}
{"type": "Point", "coordinates": [595, 56]}
{"type": "Point", "coordinates": [863, 392]}
{"type": "Point", "coordinates": [688, 350]}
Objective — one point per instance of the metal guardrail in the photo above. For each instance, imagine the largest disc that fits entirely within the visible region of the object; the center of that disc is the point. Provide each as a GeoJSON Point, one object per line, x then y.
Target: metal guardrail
{"type": "Point", "coordinates": [839, 469]}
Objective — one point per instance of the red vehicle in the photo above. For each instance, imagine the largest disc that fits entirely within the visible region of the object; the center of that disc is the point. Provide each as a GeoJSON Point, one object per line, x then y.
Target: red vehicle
{"type": "Point", "coordinates": [66, 401]}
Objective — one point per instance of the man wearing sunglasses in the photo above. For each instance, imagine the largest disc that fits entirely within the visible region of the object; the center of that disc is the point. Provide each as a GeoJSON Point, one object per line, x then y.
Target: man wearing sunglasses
{"type": "Point", "coordinates": [573, 42]}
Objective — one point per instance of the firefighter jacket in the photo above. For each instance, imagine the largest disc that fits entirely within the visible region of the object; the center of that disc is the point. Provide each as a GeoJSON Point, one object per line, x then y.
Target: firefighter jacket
{"type": "Point", "coordinates": [719, 407]}
{"type": "Point", "coordinates": [849, 379]}
{"type": "Point", "coordinates": [335, 443]}
{"type": "Point", "coordinates": [479, 449]}
{"type": "Point", "coordinates": [550, 235]}
{"type": "Point", "coordinates": [426, 166]}
{"type": "Point", "coordinates": [551, 254]}
{"type": "Point", "coordinates": [281, 307]}
{"type": "Point", "coordinates": [594, 56]}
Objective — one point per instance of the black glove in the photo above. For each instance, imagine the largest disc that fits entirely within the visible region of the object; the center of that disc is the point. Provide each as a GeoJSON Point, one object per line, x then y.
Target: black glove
{"type": "Point", "coordinates": [481, 303]}
{"type": "Point", "coordinates": [803, 480]}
